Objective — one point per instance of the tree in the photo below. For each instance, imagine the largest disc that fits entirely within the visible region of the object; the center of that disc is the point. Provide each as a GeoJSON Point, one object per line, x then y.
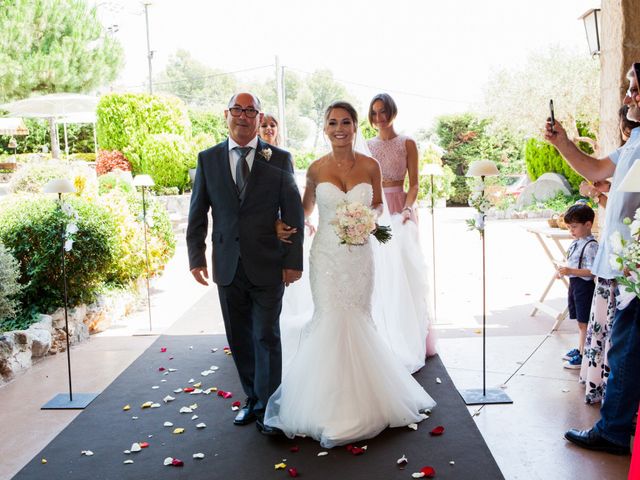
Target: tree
{"type": "Point", "coordinates": [519, 97]}
{"type": "Point", "coordinates": [323, 90]}
{"type": "Point", "coordinates": [49, 46]}
{"type": "Point", "coordinates": [196, 83]}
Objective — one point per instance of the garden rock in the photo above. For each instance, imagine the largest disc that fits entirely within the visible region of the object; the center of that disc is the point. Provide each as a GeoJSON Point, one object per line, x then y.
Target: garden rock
{"type": "Point", "coordinates": [15, 353]}
{"type": "Point", "coordinates": [546, 187]}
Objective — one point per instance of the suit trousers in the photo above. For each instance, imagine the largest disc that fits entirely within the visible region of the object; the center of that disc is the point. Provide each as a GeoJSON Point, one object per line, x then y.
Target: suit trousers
{"type": "Point", "coordinates": [623, 387]}
{"type": "Point", "coordinates": [252, 322]}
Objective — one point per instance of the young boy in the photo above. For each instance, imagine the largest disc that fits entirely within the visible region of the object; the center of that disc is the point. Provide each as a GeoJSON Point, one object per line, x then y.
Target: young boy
{"type": "Point", "coordinates": [580, 256]}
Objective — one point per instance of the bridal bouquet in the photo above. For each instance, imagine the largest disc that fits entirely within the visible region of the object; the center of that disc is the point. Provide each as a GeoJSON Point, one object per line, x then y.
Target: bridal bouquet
{"type": "Point", "coordinates": [626, 255]}
{"type": "Point", "coordinates": [354, 222]}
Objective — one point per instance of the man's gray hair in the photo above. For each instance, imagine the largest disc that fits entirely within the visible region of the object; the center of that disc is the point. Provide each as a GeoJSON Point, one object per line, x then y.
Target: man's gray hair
{"type": "Point", "coordinates": [232, 100]}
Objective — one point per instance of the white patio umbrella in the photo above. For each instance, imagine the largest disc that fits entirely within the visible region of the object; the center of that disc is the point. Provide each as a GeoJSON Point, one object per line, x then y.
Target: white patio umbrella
{"type": "Point", "coordinates": [52, 107]}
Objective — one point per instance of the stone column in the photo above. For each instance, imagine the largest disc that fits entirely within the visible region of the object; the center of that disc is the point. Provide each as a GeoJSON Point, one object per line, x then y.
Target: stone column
{"type": "Point", "coordinates": [619, 48]}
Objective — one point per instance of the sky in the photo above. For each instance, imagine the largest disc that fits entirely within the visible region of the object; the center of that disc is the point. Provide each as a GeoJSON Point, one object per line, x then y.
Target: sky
{"type": "Point", "coordinates": [433, 57]}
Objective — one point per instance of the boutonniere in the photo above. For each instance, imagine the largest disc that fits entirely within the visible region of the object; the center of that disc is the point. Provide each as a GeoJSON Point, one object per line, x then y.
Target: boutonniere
{"type": "Point", "coordinates": [266, 153]}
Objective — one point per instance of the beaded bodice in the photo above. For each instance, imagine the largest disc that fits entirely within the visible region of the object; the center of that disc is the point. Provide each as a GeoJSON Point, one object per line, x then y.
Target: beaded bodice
{"type": "Point", "coordinates": [392, 155]}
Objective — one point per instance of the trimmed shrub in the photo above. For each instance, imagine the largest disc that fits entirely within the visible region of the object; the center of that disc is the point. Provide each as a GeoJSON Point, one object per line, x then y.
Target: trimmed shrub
{"type": "Point", "coordinates": [32, 227]}
{"type": "Point", "coordinates": [125, 121]}
{"type": "Point", "coordinates": [166, 157]}
{"type": "Point", "coordinates": [109, 160]}
{"type": "Point", "coordinates": [9, 286]}
{"type": "Point", "coordinates": [116, 180]}
{"type": "Point", "coordinates": [130, 260]}
{"type": "Point", "coordinates": [542, 157]}
{"type": "Point", "coordinates": [211, 124]}
{"type": "Point", "coordinates": [33, 177]}
{"type": "Point", "coordinates": [85, 157]}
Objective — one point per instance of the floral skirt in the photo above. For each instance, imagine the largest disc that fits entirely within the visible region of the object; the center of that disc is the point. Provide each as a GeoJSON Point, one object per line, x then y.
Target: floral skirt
{"type": "Point", "coordinates": [594, 372]}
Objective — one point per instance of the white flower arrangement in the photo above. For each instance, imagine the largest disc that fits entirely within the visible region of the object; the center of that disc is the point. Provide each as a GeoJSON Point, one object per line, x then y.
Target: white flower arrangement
{"type": "Point", "coordinates": [482, 204]}
{"type": "Point", "coordinates": [266, 153]}
{"type": "Point", "coordinates": [354, 222]}
{"type": "Point", "coordinates": [626, 255]}
{"type": "Point", "coordinates": [72, 227]}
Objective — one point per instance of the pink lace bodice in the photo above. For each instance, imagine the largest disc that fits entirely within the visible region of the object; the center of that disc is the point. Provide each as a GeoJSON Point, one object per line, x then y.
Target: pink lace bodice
{"type": "Point", "coordinates": [392, 155]}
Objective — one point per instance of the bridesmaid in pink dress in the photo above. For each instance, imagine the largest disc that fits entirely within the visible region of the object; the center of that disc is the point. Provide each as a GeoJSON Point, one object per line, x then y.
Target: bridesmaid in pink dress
{"type": "Point", "coordinates": [398, 158]}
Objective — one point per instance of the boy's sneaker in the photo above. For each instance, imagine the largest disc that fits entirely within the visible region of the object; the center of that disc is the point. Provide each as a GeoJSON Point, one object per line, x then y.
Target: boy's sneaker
{"type": "Point", "coordinates": [574, 363]}
{"type": "Point", "coordinates": [570, 354]}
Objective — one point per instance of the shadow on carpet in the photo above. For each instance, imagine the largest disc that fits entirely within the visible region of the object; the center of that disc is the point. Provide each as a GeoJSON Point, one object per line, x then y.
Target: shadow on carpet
{"type": "Point", "coordinates": [234, 453]}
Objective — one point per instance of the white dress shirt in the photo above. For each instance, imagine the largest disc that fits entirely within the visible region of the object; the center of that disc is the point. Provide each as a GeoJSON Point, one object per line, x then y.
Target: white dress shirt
{"type": "Point", "coordinates": [234, 155]}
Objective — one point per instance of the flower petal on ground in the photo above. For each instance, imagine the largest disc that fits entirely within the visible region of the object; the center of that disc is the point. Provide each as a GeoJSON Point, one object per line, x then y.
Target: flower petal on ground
{"type": "Point", "coordinates": [280, 466]}
{"type": "Point", "coordinates": [438, 380]}
{"type": "Point", "coordinates": [294, 449]}
{"type": "Point", "coordinates": [413, 426]}
{"type": "Point", "coordinates": [323, 454]}
{"type": "Point", "coordinates": [177, 463]}
{"type": "Point", "coordinates": [439, 430]}
{"type": "Point", "coordinates": [402, 462]}
{"type": "Point", "coordinates": [128, 462]}
{"type": "Point", "coordinates": [293, 472]}
{"type": "Point", "coordinates": [198, 456]}
{"type": "Point", "coordinates": [135, 447]}
{"type": "Point", "coordinates": [186, 410]}
{"type": "Point", "coordinates": [429, 472]}
{"type": "Point", "coordinates": [167, 424]}
{"type": "Point", "coordinates": [168, 399]}
{"type": "Point", "coordinates": [161, 369]}
{"type": "Point", "coordinates": [155, 405]}
{"type": "Point", "coordinates": [168, 461]}
{"type": "Point", "coordinates": [87, 453]}
{"type": "Point", "coordinates": [144, 445]}
{"type": "Point", "coordinates": [178, 431]}
{"type": "Point", "coordinates": [163, 349]}
{"type": "Point", "coordinates": [146, 405]}
{"type": "Point", "coordinates": [201, 425]}
{"type": "Point", "coordinates": [126, 407]}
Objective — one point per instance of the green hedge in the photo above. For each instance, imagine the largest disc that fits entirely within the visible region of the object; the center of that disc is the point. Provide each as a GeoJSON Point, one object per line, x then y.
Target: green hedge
{"type": "Point", "coordinates": [167, 158]}
{"type": "Point", "coordinates": [9, 287]}
{"type": "Point", "coordinates": [542, 157]}
{"type": "Point", "coordinates": [31, 229]}
{"type": "Point", "coordinates": [125, 121]}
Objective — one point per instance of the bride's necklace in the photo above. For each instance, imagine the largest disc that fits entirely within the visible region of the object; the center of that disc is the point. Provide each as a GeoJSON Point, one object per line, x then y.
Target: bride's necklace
{"type": "Point", "coordinates": [340, 163]}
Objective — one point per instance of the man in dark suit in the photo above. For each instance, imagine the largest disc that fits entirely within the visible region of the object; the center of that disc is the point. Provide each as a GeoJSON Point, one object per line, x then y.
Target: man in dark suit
{"type": "Point", "coordinates": [247, 184]}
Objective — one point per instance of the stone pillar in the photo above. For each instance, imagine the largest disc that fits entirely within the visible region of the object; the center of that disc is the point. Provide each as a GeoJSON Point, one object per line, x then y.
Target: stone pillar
{"type": "Point", "coordinates": [619, 48]}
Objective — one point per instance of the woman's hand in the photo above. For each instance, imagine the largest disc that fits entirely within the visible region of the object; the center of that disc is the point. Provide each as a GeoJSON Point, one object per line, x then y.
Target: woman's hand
{"type": "Point", "coordinates": [310, 226]}
{"type": "Point", "coordinates": [406, 214]}
{"type": "Point", "coordinates": [284, 231]}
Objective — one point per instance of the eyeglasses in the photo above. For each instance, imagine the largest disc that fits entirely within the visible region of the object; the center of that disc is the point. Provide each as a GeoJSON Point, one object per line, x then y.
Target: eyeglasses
{"type": "Point", "coordinates": [632, 92]}
{"type": "Point", "coordinates": [249, 112]}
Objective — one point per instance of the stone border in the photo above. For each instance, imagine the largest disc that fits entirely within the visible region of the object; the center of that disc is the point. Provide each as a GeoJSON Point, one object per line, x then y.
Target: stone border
{"type": "Point", "coordinates": [19, 349]}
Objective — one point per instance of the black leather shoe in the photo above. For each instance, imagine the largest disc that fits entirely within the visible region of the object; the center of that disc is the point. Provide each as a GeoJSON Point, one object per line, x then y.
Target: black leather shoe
{"type": "Point", "coordinates": [592, 440]}
{"type": "Point", "coordinates": [267, 430]}
{"type": "Point", "coordinates": [246, 415]}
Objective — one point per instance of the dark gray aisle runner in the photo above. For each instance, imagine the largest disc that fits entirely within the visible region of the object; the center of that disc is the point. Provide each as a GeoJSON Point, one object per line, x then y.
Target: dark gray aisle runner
{"type": "Point", "coordinates": [235, 453]}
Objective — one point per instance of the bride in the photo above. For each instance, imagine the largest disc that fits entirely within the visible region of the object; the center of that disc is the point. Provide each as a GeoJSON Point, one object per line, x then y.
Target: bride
{"type": "Point", "coordinates": [343, 384]}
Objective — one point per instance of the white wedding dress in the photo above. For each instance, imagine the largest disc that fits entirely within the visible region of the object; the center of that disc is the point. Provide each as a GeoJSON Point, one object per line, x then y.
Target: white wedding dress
{"type": "Point", "coordinates": [342, 382]}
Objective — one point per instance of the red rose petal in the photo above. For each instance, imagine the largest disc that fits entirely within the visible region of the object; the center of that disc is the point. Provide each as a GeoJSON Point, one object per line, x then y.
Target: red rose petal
{"type": "Point", "coordinates": [161, 369]}
{"type": "Point", "coordinates": [429, 472]}
{"type": "Point", "coordinates": [188, 389]}
{"type": "Point", "coordinates": [144, 445]}
{"type": "Point", "coordinates": [439, 430]}
{"type": "Point", "coordinates": [177, 463]}
{"type": "Point", "coordinates": [294, 449]}
{"type": "Point", "coordinates": [236, 404]}
{"type": "Point", "coordinates": [293, 472]}
{"type": "Point", "coordinates": [163, 349]}
{"type": "Point", "coordinates": [357, 451]}
{"type": "Point", "coordinates": [349, 448]}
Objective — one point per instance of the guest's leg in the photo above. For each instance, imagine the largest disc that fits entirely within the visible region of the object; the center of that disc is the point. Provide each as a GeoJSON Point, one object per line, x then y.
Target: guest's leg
{"type": "Point", "coordinates": [235, 302]}
{"type": "Point", "coordinates": [267, 304]}
{"type": "Point", "coordinates": [623, 388]}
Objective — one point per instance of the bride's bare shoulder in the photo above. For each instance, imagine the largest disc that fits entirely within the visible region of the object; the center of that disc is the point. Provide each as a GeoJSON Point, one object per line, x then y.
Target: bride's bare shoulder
{"type": "Point", "coordinates": [316, 166]}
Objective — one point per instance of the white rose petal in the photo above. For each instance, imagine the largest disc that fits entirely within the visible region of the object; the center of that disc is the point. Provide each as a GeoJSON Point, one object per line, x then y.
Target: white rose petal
{"type": "Point", "coordinates": [168, 461]}
{"type": "Point", "coordinates": [194, 417]}
{"type": "Point", "coordinates": [198, 456]}
{"type": "Point", "coordinates": [323, 454]}
{"type": "Point", "coordinates": [167, 424]}
{"type": "Point", "coordinates": [201, 425]}
{"type": "Point", "coordinates": [135, 447]}
{"type": "Point", "coordinates": [155, 405]}
{"type": "Point", "coordinates": [168, 399]}
{"type": "Point", "coordinates": [438, 380]}
{"type": "Point", "coordinates": [413, 426]}
{"type": "Point", "coordinates": [155, 387]}
{"type": "Point", "coordinates": [186, 410]}
{"type": "Point", "coordinates": [177, 390]}
{"type": "Point", "coordinates": [87, 453]}
{"type": "Point", "coordinates": [128, 462]}
{"type": "Point", "coordinates": [417, 475]}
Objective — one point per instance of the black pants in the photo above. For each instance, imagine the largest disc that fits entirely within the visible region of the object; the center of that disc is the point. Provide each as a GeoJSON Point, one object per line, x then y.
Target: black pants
{"type": "Point", "coordinates": [252, 322]}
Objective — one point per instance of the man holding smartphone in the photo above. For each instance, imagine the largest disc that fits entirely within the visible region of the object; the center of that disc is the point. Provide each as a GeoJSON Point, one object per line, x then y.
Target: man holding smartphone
{"type": "Point", "coordinates": [612, 433]}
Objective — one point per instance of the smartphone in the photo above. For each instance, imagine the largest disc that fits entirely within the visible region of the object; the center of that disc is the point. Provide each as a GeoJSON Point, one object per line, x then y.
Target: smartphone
{"type": "Point", "coordinates": [552, 116]}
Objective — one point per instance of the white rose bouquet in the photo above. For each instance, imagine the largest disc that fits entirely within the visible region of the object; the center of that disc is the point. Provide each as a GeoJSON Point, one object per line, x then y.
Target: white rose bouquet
{"type": "Point", "coordinates": [354, 222]}
{"type": "Point", "coordinates": [626, 255]}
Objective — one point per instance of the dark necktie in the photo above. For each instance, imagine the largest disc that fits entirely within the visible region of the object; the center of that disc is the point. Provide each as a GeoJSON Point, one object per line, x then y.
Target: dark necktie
{"type": "Point", "coordinates": [242, 168]}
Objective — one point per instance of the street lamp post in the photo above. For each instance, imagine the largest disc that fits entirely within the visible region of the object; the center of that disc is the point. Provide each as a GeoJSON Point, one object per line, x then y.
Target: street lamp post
{"type": "Point", "coordinates": [146, 4]}
{"type": "Point", "coordinates": [591, 19]}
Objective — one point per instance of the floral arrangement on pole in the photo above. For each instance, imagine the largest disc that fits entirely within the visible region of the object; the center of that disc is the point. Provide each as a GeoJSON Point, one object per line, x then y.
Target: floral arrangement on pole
{"type": "Point", "coordinates": [71, 218]}
{"type": "Point", "coordinates": [482, 204]}
{"type": "Point", "coordinates": [354, 222]}
{"type": "Point", "coordinates": [626, 255]}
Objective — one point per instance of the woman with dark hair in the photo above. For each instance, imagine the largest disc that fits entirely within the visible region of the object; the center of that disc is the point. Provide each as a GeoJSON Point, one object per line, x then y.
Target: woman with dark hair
{"type": "Point", "coordinates": [344, 383]}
